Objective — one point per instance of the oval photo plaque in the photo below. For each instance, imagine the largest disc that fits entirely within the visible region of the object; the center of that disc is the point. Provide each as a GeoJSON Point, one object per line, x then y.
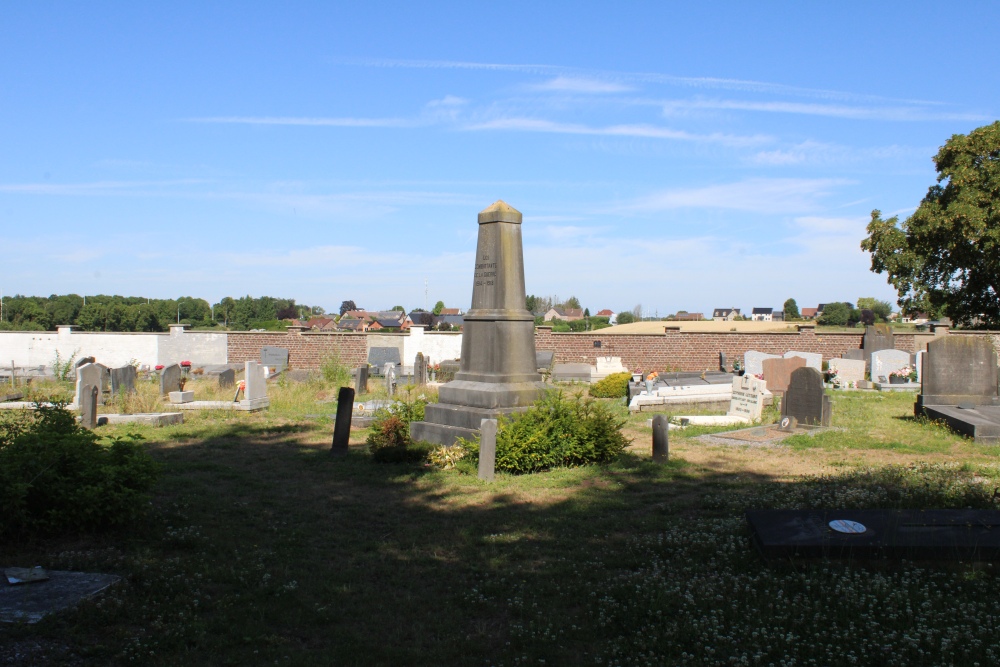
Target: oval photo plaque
{"type": "Point", "coordinates": [847, 526]}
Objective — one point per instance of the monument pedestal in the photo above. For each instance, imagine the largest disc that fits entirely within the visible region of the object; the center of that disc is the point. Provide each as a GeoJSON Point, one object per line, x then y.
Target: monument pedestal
{"type": "Point", "coordinates": [498, 373]}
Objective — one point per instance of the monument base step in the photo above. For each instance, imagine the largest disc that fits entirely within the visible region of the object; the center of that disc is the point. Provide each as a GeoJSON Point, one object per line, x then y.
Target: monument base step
{"type": "Point", "coordinates": [439, 434]}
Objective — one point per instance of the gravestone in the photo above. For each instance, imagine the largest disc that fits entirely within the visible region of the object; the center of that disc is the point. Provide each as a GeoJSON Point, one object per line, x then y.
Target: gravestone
{"type": "Point", "coordinates": [753, 361]}
{"type": "Point", "coordinates": [813, 360]}
{"type": "Point", "coordinates": [93, 375]}
{"type": "Point", "coordinates": [661, 439]}
{"type": "Point", "coordinates": [84, 360]}
{"type": "Point", "coordinates": [342, 427]}
{"type": "Point", "coordinates": [805, 399]}
{"type": "Point", "coordinates": [722, 362]}
{"type": "Point", "coordinates": [544, 360]}
{"type": "Point", "coordinates": [918, 363]}
{"type": "Point", "coordinates": [878, 337]}
{"type": "Point", "coordinates": [748, 397]}
{"type": "Point", "coordinates": [274, 357]}
{"type": "Point", "coordinates": [420, 370]}
{"type": "Point", "coordinates": [499, 373]}
{"type": "Point", "coordinates": [605, 366]}
{"type": "Point", "coordinates": [487, 449]}
{"type": "Point", "coordinates": [959, 370]}
{"type": "Point", "coordinates": [170, 379]}
{"type": "Point", "coordinates": [848, 370]}
{"type": "Point", "coordinates": [884, 362]}
{"type": "Point", "coordinates": [778, 372]}
{"type": "Point", "coordinates": [227, 378]}
{"type": "Point", "coordinates": [123, 380]}
{"type": "Point", "coordinates": [571, 372]}
{"type": "Point", "coordinates": [855, 355]}
{"type": "Point", "coordinates": [256, 382]}
{"type": "Point", "coordinates": [361, 381]}
{"type": "Point", "coordinates": [378, 357]}
{"type": "Point", "coordinates": [389, 373]}
{"type": "Point", "coordinates": [88, 406]}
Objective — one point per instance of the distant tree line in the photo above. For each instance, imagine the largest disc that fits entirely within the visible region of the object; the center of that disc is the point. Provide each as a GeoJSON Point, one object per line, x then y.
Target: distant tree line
{"type": "Point", "coordinates": [132, 313]}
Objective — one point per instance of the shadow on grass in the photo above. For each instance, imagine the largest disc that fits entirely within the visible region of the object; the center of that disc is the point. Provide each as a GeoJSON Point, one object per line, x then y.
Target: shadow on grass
{"type": "Point", "coordinates": [264, 548]}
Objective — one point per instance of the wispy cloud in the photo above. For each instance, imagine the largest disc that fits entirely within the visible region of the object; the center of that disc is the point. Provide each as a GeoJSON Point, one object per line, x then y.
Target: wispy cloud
{"type": "Point", "coordinates": [577, 84]}
{"type": "Point", "coordinates": [816, 152]}
{"type": "Point", "coordinates": [635, 130]}
{"type": "Point", "coordinates": [760, 195]}
{"type": "Point", "coordinates": [306, 121]}
{"type": "Point", "coordinates": [820, 224]}
{"type": "Point", "coordinates": [95, 188]}
{"type": "Point", "coordinates": [888, 113]}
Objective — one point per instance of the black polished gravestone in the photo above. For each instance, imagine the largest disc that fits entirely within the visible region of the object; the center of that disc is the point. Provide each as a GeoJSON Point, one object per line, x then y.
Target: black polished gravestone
{"type": "Point", "coordinates": [378, 357]}
{"type": "Point", "coordinates": [342, 426]}
{"type": "Point", "coordinates": [274, 357]}
{"type": "Point", "coordinates": [805, 399]}
{"type": "Point", "coordinates": [913, 534]}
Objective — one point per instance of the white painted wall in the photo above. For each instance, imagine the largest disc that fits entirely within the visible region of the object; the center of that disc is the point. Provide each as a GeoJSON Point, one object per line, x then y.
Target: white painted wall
{"type": "Point", "coordinates": [30, 349]}
{"type": "Point", "coordinates": [437, 345]}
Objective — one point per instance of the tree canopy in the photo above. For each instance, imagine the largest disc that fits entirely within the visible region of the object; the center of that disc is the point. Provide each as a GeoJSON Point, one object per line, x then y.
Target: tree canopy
{"type": "Point", "coordinates": [945, 258]}
{"type": "Point", "coordinates": [791, 310]}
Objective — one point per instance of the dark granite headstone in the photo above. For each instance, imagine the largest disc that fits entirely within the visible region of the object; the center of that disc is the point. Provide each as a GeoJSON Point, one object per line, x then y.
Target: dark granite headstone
{"type": "Point", "coordinates": [342, 427]}
{"type": "Point", "coordinates": [805, 399]}
{"type": "Point", "coordinates": [123, 380]}
{"type": "Point", "coordinates": [854, 355]}
{"type": "Point", "coordinates": [170, 379]}
{"type": "Point", "coordinates": [778, 372]}
{"type": "Point", "coordinates": [227, 378]}
{"type": "Point", "coordinates": [361, 381]}
{"type": "Point", "coordinates": [958, 369]}
{"type": "Point", "coordinates": [274, 357]}
{"type": "Point", "coordinates": [661, 443]}
{"type": "Point", "coordinates": [88, 407]}
{"type": "Point", "coordinates": [722, 362]}
{"type": "Point", "coordinates": [878, 337]}
{"type": "Point", "coordinates": [913, 534]}
{"type": "Point", "coordinates": [378, 357]}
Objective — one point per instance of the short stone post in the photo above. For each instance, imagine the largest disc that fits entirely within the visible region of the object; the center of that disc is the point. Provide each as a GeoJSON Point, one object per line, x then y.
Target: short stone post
{"type": "Point", "coordinates": [487, 449]}
{"type": "Point", "coordinates": [88, 407]}
{"type": "Point", "coordinates": [342, 427]}
{"type": "Point", "coordinates": [420, 369]}
{"type": "Point", "coordinates": [361, 381]}
{"type": "Point", "coordinates": [661, 446]}
{"type": "Point", "coordinates": [390, 380]}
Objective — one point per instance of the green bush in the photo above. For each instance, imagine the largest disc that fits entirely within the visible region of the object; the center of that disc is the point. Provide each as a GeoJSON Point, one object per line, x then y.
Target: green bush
{"type": "Point", "coordinates": [557, 431]}
{"type": "Point", "coordinates": [55, 477]}
{"type": "Point", "coordinates": [334, 371]}
{"type": "Point", "coordinates": [613, 386]}
{"type": "Point", "coordinates": [389, 438]}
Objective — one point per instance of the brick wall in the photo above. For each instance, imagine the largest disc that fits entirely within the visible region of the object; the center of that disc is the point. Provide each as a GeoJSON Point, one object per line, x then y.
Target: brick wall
{"type": "Point", "coordinates": [691, 351]}
{"type": "Point", "coordinates": [305, 350]}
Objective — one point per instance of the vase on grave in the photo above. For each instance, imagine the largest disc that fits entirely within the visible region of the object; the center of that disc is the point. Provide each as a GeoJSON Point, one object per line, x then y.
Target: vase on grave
{"type": "Point", "coordinates": [897, 379]}
{"type": "Point", "coordinates": [497, 372]}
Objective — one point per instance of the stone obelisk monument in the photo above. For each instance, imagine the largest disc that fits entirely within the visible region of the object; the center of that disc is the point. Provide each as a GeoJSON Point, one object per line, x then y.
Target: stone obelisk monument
{"type": "Point", "coordinates": [498, 373]}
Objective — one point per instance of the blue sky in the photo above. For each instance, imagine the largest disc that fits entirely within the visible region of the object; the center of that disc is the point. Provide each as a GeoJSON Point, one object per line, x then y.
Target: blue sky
{"type": "Point", "coordinates": [672, 156]}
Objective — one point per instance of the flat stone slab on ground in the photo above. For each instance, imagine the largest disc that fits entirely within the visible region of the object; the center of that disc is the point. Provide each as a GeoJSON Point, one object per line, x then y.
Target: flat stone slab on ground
{"type": "Point", "coordinates": [759, 435]}
{"type": "Point", "coordinates": [912, 534]}
{"type": "Point", "coordinates": [571, 372]}
{"type": "Point", "coordinates": [30, 603]}
{"type": "Point", "coordinates": [11, 397]}
{"type": "Point", "coordinates": [905, 386]}
{"type": "Point", "coordinates": [251, 405]}
{"type": "Point", "coordinates": [981, 423]}
{"type": "Point", "coordinates": [149, 418]}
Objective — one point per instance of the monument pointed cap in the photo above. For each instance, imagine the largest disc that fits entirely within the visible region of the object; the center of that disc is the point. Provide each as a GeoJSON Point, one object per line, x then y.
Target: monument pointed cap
{"type": "Point", "coordinates": [500, 211]}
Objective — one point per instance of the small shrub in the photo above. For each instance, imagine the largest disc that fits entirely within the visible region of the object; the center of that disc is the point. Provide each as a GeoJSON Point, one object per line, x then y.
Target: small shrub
{"type": "Point", "coordinates": [62, 367]}
{"type": "Point", "coordinates": [555, 432]}
{"type": "Point", "coordinates": [613, 386]}
{"type": "Point", "coordinates": [55, 477]}
{"type": "Point", "coordinates": [334, 371]}
{"type": "Point", "coordinates": [389, 437]}
{"type": "Point", "coordinates": [446, 457]}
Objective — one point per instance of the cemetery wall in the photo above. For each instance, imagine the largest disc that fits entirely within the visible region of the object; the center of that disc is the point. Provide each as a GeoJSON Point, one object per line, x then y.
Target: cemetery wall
{"type": "Point", "coordinates": [31, 349]}
{"type": "Point", "coordinates": [698, 350]}
{"type": "Point", "coordinates": [438, 346]}
{"type": "Point", "coordinates": [305, 350]}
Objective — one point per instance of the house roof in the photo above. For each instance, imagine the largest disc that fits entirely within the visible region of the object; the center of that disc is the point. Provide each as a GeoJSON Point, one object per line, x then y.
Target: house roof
{"type": "Point", "coordinates": [320, 322]}
{"type": "Point", "coordinates": [450, 311]}
{"type": "Point", "coordinates": [450, 319]}
{"type": "Point", "coordinates": [762, 311]}
{"type": "Point", "coordinates": [808, 312]}
{"type": "Point", "coordinates": [351, 324]}
{"type": "Point", "coordinates": [722, 312]}
{"type": "Point", "coordinates": [607, 312]}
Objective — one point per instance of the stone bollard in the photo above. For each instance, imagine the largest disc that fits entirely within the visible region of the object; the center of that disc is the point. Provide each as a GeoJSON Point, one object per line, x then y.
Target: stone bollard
{"type": "Point", "coordinates": [361, 381]}
{"type": "Point", "coordinates": [487, 449]}
{"type": "Point", "coordinates": [342, 427]}
{"type": "Point", "coordinates": [661, 448]}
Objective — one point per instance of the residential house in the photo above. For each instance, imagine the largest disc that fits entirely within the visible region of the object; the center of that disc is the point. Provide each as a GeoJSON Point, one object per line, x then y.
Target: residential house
{"type": "Point", "coordinates": [564, 314]}
{"type": "Point", "coordinates": [355, 324]}
{"type": "Point", "coordinates": [322, 324]}
{"type": "Point", "coordinates": [450, 311]}
{"type": "Point", "coordinates": [762, 314]}
{"type": "Point", "coordinates": [608, 313]}
{"type": "Point", "coordinates": [453, 321]}
{"type": "Point", "coordinates": [421, 317]}
{"type": "Point", "coordinates": [688, 317]}
{"type": "Point", "coordinates": [808, 313]}
{"type": "Point", "coordinates": [725, 314]}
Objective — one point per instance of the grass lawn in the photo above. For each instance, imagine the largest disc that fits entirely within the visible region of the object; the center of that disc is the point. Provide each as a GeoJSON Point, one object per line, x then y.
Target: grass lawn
{"type": "Point", "coordinates": [262, 549]}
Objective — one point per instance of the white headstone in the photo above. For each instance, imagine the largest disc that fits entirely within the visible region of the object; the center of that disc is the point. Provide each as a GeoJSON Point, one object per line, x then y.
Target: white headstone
{"type": "Point", "coordinates": [748, 397]}
{"type": "Point", "coordinates": [256, 384]}
{"type": "Point", "coordinates": [813, 360]}
{"type": "Point", "coordinates": [848, 370]}
{"type": "Point", "coordinates": [93, 375]}
{"type": "Point", "coordinates": [887, 361]}
{"type": "Point", "coordinates": [753, 361]}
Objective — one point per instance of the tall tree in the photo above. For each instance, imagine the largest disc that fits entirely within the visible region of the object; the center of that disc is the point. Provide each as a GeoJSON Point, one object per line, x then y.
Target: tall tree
{"type": "Point", "coordinates": [438, 307]}
{"type": "Point", "coordinates": [791, 310]}
{"type": "Point", "coordinates": [946, 256]}
{"type": "Point", "coordinates": [346, 306]}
